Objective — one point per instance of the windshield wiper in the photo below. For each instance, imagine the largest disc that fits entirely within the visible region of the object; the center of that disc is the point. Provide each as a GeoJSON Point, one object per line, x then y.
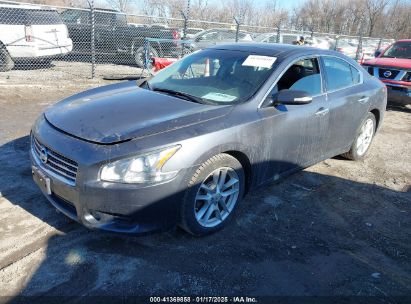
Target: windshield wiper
{"type": "Point", "coordinates": [180, 94]}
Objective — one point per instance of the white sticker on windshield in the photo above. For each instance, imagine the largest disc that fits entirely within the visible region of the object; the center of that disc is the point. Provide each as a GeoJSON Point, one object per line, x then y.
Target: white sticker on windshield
{"type": "Point", "coordinates": [259, 61]}
{"type": "Point", "coordinates": [219, 97]}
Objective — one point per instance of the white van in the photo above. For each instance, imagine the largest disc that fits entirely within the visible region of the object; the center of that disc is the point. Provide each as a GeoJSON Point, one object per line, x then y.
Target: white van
{"type": "Point", "coordinates": [28, 32]}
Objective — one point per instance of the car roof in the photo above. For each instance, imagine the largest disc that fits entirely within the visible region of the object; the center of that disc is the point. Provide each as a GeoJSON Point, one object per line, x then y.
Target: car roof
{"type": "Point", "coordinates": [404, 40]}
{"type": "Point", "coordinates": [272, 49]}
{"type": "Point", "coordinates": [22, 6]}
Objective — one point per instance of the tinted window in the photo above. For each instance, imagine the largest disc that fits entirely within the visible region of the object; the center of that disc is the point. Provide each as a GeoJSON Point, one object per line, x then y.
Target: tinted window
{"type": "Point", "coordinates": [104, 18]}
{"type": "Point", "coordinates": [339, 74]}
{"type": "Point", "coordinates": [76, 16]}
{"type": "Point", "coordinates": [400, 49]}
{"type": "Point", "coordinates": [289, 39]}
{"type": "Point", "coordinates": [28, 16]}
{"type": "Point", "coordinates": [303, 75]}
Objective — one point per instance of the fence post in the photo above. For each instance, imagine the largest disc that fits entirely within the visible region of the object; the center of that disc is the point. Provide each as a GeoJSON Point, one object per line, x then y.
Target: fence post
{"type": "Point", "coordinates": [186, 16]}
{"type": "Point", "coordinates": [93, 46]}
{"type": "Point", "coordinates": [278, 33]}
{"type": "Point", "coordinates": [336, 42]}
{"type": "Point", "coordinates": [359, 47]}
{"type": "Point", "coordinates": [237, 28]}
{"type": "Point", "coordinates": [185, 24]}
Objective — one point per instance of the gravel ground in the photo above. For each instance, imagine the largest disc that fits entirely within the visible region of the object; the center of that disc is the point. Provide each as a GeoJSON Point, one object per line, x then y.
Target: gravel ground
{"type": "Point", "coordinates": [339, 228]}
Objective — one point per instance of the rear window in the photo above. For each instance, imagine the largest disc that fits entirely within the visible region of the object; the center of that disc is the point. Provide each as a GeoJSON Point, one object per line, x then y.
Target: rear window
{"type": "Point", "coordinates": [28, 16]}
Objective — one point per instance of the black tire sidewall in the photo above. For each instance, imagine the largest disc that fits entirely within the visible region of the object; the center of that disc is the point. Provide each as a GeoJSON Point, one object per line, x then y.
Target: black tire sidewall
{"type": "Point", "coordinates": [353, 151]}
{"type": "Point", "coordinates": [188, 221]}
{"type": "Point", "coordinates": [6, 63]}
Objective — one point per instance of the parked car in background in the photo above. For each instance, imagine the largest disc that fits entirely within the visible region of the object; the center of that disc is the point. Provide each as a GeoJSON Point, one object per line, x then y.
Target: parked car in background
{"type": "Point", "coordinates": [212, 37]}
{"type": "Point", "coordinates": [321, 43]}
{"type": "Point", "coordinates": [31, 32]}
{"type": "Point", "coordinates": [115, 37]}
{"type": "Point", "coordinates": [345, 47]}
{"type": "Point", "coordinates": [185, 146]}
{"type": "Point", "coordinates": [272, 38]}
{"type": "Point", "coordinates": [192, 31]}
{"type": "Point", "coordinates": [393, 67]}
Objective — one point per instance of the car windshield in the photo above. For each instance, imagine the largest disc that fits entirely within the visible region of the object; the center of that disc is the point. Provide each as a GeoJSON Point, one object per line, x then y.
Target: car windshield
{"type": "Point", "coordinates": [215, 76]}
{"type": "Point", "coordinates": [399, 50]}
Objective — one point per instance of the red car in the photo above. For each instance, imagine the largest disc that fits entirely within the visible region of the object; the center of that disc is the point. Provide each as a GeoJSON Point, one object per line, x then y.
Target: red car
{"type": "Point", "coordinates": [393, 67]}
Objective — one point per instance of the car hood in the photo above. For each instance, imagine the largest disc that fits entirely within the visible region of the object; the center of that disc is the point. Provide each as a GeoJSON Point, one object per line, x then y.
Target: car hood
{"type": "Point", "coordinates": [390, 62]}
{"type": "Point", "coordinates": [123, 111]}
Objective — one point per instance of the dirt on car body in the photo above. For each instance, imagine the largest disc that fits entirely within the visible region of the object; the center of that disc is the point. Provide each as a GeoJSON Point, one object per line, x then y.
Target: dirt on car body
{"type": "Point", "coordinates": [339, 228]}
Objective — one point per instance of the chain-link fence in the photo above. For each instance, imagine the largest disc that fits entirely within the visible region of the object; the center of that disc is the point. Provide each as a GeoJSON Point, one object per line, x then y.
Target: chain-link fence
{"type": "Point", "coordinates": [65, 43]}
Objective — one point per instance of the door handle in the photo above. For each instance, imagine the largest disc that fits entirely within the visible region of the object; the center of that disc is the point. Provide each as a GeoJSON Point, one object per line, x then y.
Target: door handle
{"type": "Point", "coordinates": [322, 111]}
{"type": "Point", "coordinates": [363, 99]}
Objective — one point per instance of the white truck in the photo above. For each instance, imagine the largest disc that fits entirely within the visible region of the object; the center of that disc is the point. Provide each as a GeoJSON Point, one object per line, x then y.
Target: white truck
{"type": "Point", "coordinates": [31, 32]}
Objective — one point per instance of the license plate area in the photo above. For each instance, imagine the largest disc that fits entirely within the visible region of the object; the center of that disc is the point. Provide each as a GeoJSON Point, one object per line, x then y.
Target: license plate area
{"type": "Point", "coordinates": [41, 180]}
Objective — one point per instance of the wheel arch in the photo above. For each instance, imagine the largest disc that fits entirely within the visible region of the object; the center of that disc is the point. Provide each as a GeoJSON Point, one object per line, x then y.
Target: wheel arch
{"type": "Point", "coordinates": [377, 116]}
{"type": "Point", "coordinates": [245, 163]}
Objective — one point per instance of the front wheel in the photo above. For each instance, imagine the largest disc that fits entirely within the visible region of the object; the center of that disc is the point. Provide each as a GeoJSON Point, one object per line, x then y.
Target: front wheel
{"type": "Point", "coordinates": [212, 195]}
{"type": "Point", "coordinates": [363, 138]}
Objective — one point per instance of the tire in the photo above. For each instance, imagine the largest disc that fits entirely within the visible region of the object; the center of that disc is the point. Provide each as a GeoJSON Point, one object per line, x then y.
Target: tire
{"type": "Point", "coordinates": [6, 62]}
{"type": "Point", "coordinates": [194, 205]}
{"type": "Point", "coordinates": [139, 56]}
{"type": "Point", "coordinates": [355, 152]}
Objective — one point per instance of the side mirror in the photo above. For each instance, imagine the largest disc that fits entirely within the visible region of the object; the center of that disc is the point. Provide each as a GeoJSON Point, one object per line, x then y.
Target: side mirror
{"type": "Point", "coordinates": [292, 97]}
{"type": "Point", "coordinates": [377, 53]}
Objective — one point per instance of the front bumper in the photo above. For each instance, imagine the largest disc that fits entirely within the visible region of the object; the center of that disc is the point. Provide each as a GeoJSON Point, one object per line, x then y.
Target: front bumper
{"type": "Point", "coordinates": [115, 207]}
{"type": "Point", "coordinates": [398, 94]}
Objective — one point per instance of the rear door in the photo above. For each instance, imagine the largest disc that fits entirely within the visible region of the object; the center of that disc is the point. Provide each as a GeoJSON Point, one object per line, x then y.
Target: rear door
{"type": "Point", "coordinates": [348, 99]}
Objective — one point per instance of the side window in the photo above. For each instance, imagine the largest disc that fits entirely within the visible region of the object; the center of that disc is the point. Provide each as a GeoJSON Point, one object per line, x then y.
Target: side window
{"type": "Point", "coordinates": [209, 36]}
{"type": "Point", "coordinates": [289, 39]}
{"type": "Point", "coordinates": [356, 76]}
{"type": "Point", "coordinates": [339, 74]}
{"type": "Point", "coordinates": [104, 18]}
{"type": "Point", "coordinates": [303, 75]}
{"type": "Point", "coordinates": [12, 16]}
{"type": "Point", "coordinates": [272, 39]}
{"type": "Point", "coordinates": [229, 35]}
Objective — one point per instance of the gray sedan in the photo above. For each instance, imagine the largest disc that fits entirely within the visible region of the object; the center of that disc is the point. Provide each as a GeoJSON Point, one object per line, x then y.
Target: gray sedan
{"type": "Point", "coordinates": [184, 147]}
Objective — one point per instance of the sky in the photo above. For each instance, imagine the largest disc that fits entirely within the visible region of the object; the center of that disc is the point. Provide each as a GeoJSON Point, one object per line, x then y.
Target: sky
{"type": "Point", "coordinates": [286, 4]}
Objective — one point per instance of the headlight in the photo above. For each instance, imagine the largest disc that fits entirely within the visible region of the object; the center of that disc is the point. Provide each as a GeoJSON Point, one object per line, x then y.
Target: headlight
{"type": "Point", "coordinates": [140, 169]}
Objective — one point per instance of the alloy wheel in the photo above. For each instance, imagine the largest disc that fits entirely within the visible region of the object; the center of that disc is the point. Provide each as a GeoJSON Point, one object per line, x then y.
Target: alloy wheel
{"type": "Point", "coordinates": [217, 196]}
{"type": "Point", "coordinates": [365, 137]}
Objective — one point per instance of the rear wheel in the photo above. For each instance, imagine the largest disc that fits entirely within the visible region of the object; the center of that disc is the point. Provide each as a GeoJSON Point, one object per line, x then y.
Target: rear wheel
{"type": "Point", "coordinates": [363, 139]}
{"type": "Point", "coordinates": [213, 195]}
{"type": "Point", "coordinates": [6, 62]}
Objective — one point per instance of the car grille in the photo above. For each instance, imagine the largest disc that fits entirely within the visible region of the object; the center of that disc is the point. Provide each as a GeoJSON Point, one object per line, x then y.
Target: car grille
{"type": "Point", "coordinates": [370, 70]}
{"type": "Point", "coordinates": [389, 74]}
{"type": "Point", "coordinates": [55, 162]}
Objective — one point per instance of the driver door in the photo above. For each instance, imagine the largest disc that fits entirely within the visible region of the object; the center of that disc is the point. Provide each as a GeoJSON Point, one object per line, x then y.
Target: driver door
{"type": "Point", "coordinates": [296, 134]}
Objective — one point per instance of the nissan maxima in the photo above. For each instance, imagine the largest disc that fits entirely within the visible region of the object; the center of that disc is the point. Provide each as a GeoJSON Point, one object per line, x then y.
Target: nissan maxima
{"type": "Point", "coordinates": [185, 146]}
